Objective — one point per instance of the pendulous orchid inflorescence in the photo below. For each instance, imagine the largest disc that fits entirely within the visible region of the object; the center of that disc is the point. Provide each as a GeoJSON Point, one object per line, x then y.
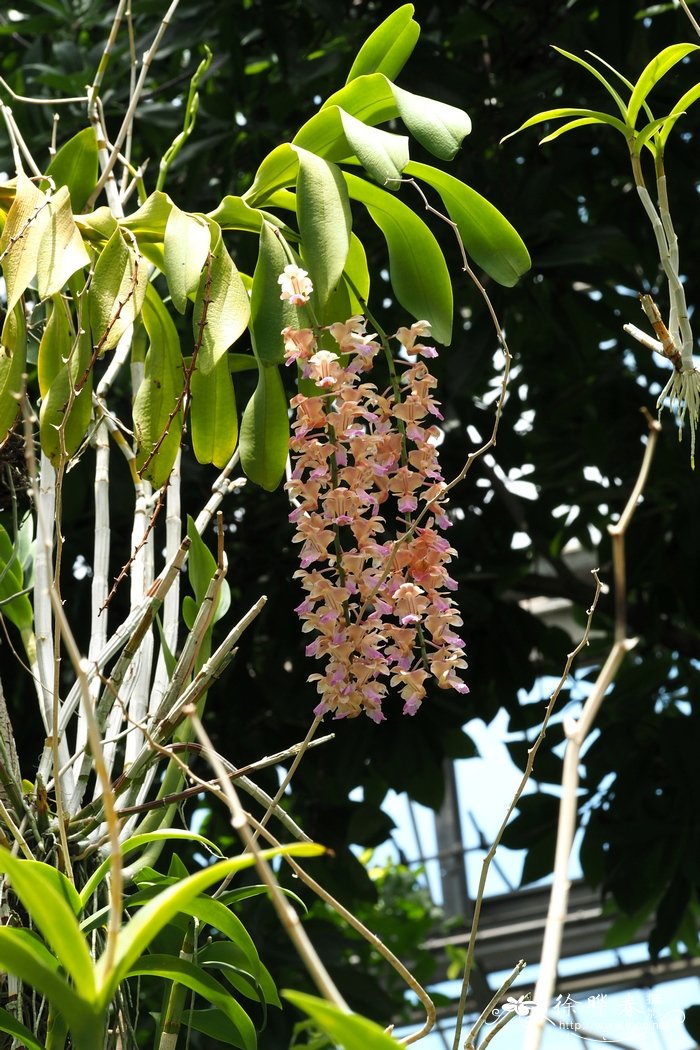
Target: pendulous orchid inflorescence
{"type": "Point", "coordinates": [369, 509]}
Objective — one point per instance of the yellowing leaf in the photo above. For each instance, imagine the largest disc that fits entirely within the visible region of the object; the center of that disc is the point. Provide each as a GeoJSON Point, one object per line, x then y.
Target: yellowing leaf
{"type": "Point", "coordinates": [13, 350]}
{"type": "Point", "coordinates": [61, 251]}
{"type": "Point", "coordinates": [22, 237]}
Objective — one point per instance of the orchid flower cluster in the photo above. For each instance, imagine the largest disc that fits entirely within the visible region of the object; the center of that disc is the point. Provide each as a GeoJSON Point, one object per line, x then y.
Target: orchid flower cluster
{"type": "Point", "coordinates": [376, 593]}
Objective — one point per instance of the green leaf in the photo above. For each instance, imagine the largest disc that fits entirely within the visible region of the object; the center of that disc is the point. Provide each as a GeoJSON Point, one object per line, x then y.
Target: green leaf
{"type": "Point", "coordinates": [221, 918]}
{"type": "Point", "coordinates": [336, 135]}
{"type": "Point", "coordinates": [53, 903]}
{"type": "Point", "coordinates": [265, 430]}
{"type": "Point", "coordinates": [592, 116]}
{"type": "Point", "coordinates": [228, 958]}
{"type": "Point", "coordinates": [349, 1031]}
{"type": "Point", "coordinates": [277, 170]}
{"type": "Point", "coordinates": [374, 99]}
{"type": "Point", "coordinates": [158, 395]}
{"type": "Point", "coordinates": [148, 225]}
{"type": "Point", "coordinates": [15, 606]}
{"type": "Point", "coordinates": [12, 1026]}
{"type": "Point", "coordinates": [487, 235]}
{"type": "Point", "coordinates": [213, 417]}
{"type": "Point", "coordinates": [684, 102]}
{"type": "Point", "coordinates": [355, 282]}
{"type": "Point", "coordinates": [325, 222]}
{"type": "Point", "coordinates": [65, 415]}
{"type": "Point", "coordinates": [652, 73]}
{"type": "Point", "coordinates": [221, 307]}
{"type": "Point", "coordinates": [419, 274]}
{"type": "Point", "coordinates": [268, 313]}
{"type": "Point", "coordinates": [136, 842]}
{"type": "Point", "coordinates": [437, 126]}
{"type": "Point", "coordinates": [234, 214]}
{"type": "Point", "coordinates": [23, 954]}
{"type": "Point", "coordinates": [55, 345]}
{"type": "Point", "coordinates": [186, 246]}
{"type": "Point", "coordinates": [139, 932]}
{"type": "Point", "coordinates": [75, 166]}
{"type": "Point", "coordinates": [193, 977]}
{"type": "Point", "coordinates": [61, 251]}
{"type": "Point", "coordinates": [117, 291]}
{"type": "Point", "coordinates": [13, 355]}
{"type": "Point", "coordinates": [599, 77]}
{"type": "Point", "coordinates": [201, 567]}
{"type": "Point", "coordinates": [215, 1024]}
{"type": "Point", "coordinates": [388, 48]}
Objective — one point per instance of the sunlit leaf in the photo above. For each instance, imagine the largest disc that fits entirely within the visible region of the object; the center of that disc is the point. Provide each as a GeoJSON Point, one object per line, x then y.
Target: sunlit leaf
{"type": "Point", "coordinates": [684, 102]}
{"type": "Point", "coordinates": [61, 251]}
{"type": "Point", "coordinates": [22, 238]}
{"type": "Point", "coordinates": [653, 72]}
{"type": "Point", "coordinates": [349, 1031]}
{"type": "Point", "coordinates": [599, 77]}
{"type": "Point", "coordinates": [234, 214]}
{"type": "Point", "coordinates": [186, 246]}
{"type": "Point", "coordinates": [52, 903]}
{"type": "Point", "coordinates": [269, 313]}
{"type": "Point", "coordinates": [66, 409]}
{"type": "Point", "coordinates": [487, 235]}
{"type": "Point", "coordinates": [388, 48]}
{"type": "Point", "coordinates": [323, 210]}
{"type": "Point", "coordinates": [418, 271]}
{"type": "Point", "coordinates": [593, 117]}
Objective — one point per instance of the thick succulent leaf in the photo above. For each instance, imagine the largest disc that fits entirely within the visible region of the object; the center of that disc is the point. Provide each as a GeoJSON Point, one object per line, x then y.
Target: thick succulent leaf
{"type": "Point", "coordinates": [55, 344]}
{"type": "Point", "coordinates": [186, 246]}
{"type": "Point", "coordinates": [52, 903]}
{"type": "Point", "coordinates": [13, 354]}
{"type": "Point", "coordinates": [234, 214]}
{"type": "Point", "coordinates": [487, 235]}
{"type": "Point", "coordinates": [117, 291]}
{"type": "Point", "coordinates": [653, 72]}
{"type": "Point", "coordinates": [213, 417]}
{"type": "Point", "coordinates": [149, 222]}
{"type": "Point", "coordinates": [22, 238]}
{"type": "Point", "coordinates": [269, 314]}
{"type": "Point", "coordinates": [135, 937]}
{"type": "Point", "coordinates": [194, 977]}
{"type": "Point", "coordinates": [75, 166]}
{"type": "Point", "coordinates": [336, 135]}
{"type": "Point", "coordinates": [277, 170]}
{"type": "Point", "coordinates": [352, 293]}
{"type": "Point", "coordinates": [157, 407]}
{"type": "Point", "coordinates": [389, 46]}
{"type": "Point", "coordinates": [419, 274]}
{"type": "Point", "coordinates": [65, 415]}
{"type": "Point", "coordinates": [221, 306]}
{"type": "Point", "coordinates": [350, 1031]}
{"type": "Point", "coordinates": [374, 99]}
{"type": "Point", "coordinates": [61, 251]}
{"type": "Point", "coordinates": [325, 222]}
{"type": "Point", "coordinates": [438, 127]}
{"type": "Point", "coordinates": [265, 430]}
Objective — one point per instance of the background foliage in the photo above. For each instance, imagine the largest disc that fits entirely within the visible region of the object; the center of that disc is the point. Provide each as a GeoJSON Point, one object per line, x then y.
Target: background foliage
{"type": "Point", "coordinates": [572, 426]}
